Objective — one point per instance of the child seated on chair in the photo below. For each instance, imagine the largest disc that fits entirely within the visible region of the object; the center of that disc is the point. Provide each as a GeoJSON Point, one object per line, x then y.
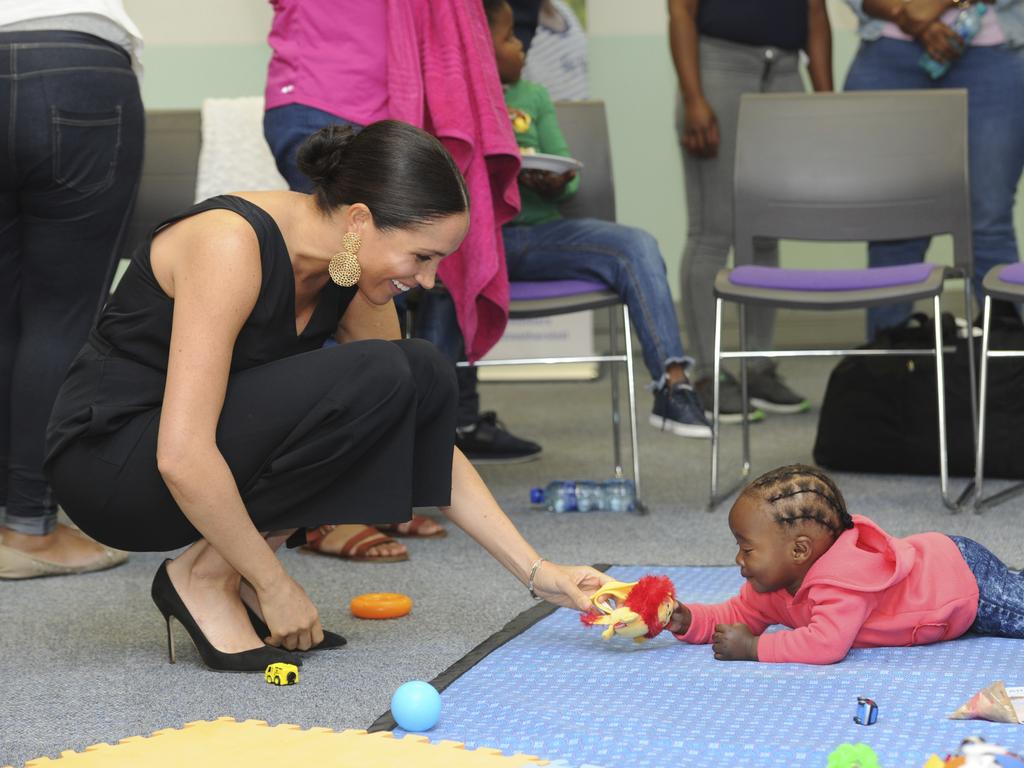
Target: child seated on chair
{"type": "Point", "coordinates": [841, 582]}
{"type": "Point", "coordinates": [541, 245]}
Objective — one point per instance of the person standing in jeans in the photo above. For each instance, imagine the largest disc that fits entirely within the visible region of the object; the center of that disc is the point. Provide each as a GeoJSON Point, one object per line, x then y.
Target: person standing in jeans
{"type": "Point", "coordinates": [894, 35]}
{"type": "Point", "coordinates": [721, 50]}
{"type": "Point", "coordinates": [71, 158]}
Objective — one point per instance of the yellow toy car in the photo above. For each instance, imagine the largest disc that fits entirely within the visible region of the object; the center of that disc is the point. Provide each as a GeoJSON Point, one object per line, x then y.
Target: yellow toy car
{"type": "Point", "coordinates": [280, 673]}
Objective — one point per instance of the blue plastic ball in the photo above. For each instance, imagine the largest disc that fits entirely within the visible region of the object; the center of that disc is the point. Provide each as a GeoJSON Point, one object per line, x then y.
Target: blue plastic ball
{"type": "Point", "coordinates": [416, 706]}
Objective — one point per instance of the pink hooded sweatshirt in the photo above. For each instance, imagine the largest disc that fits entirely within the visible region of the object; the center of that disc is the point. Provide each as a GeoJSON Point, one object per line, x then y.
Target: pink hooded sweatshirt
{"type": "Point", "coordinates": [869, 589]}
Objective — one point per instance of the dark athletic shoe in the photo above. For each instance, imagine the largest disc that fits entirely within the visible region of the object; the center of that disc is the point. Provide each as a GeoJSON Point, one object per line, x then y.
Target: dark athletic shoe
{"type": "Point", "coordinates": [729, 409]}
{"type": "Point", "coordinates": [770, 393]}
{"type": "Point", "coordinates": [677, 409]}
{"type": "Point", "coordinates": [486, 441]}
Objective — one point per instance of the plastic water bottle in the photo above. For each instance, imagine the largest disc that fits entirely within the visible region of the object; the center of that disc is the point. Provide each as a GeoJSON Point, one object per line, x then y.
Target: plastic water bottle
{"type": "Point", "coordinates": [967, 25]}
{"type": "Point", "coordinates": [586, 496]}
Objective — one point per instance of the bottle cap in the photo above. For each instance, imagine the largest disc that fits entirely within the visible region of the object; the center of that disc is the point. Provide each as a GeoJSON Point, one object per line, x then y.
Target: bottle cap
{"type": "Point", "coordinates": [536, 495]}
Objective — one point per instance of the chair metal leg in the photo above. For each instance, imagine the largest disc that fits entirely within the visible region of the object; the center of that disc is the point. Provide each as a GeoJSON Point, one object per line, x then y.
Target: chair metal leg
{"type": "Point", "coordinates": [979, 456]}
{"type": "Point", "coordinates": [969, 304]}
{"type": "Point", "coordinates": [717, 498]}
{"type": "Point", "coordinates": [745, 405]}
{"type": "Point", "coordinates": [969, 490]}
{"type": "Point", "coordinates": [627, 332]}
{"type": "Point", "coordinates": [613, 344]}
{"type": "Point", "coordinates": [940, 384]}
{"type": "Point", "coordinates": [980, 502]}
{"type": "Point", "coordinates": [715, 420]}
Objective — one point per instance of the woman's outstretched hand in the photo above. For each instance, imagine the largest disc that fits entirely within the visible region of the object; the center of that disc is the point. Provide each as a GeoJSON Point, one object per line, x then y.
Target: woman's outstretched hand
{"type": "Point", "coordinates": [569, 586]}
{"type": "Point", "coordinates": [291, 616]}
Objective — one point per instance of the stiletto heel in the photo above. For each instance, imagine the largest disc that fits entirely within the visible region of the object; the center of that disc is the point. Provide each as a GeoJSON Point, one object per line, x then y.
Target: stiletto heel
{"type": "Point", "coordinates": [170, 604]}
{"type": "Point", "coordinates": [170, 641]}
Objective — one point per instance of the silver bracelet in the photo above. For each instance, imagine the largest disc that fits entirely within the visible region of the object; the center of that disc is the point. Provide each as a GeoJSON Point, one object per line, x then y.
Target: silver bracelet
{"type": "Point", "coordinates": [533, 574]}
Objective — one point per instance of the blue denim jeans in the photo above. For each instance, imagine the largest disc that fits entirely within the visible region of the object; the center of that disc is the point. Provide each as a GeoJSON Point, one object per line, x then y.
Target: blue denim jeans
{"type": "Point", "coordinates": [285, 128]}
{"type": "Point", "coordinates": [1000, 591]}
{"type": "Point", "coordinates": [71, 142]}
{"type": "Point", "coordinates": [624, 258]}
{"type": "Point", "coordinates": [994, 79]}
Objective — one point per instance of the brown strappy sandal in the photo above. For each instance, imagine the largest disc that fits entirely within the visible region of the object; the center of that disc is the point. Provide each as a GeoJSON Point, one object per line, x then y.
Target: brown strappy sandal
{"type": "Point", "coordinates": [327, 540]}
{"type": "Point", "coordinates": [413, 528]}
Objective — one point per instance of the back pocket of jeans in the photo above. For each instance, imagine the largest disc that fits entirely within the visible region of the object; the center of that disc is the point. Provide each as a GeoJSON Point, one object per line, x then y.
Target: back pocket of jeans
{"type": "Point", "coordinates": [85, 148]}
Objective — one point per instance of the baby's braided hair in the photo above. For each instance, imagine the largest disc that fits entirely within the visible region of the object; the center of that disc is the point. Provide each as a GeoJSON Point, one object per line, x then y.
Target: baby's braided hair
{"type": "Point", "coordinates": [798, 492]}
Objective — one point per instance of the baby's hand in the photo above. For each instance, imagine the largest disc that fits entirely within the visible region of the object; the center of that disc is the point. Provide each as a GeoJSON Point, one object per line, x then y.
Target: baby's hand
{"type": "Point", "coordinates": [734, 642]}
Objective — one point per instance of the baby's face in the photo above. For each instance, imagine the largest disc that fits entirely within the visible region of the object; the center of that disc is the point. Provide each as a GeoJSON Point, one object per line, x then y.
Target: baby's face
{"type": "Point", "coordinates": [765, 549]}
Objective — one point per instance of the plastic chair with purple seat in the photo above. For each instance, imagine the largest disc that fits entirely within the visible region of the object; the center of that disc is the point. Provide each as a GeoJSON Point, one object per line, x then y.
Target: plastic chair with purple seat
{"type": "Point", "coordinates": [585, 128]}
{"type": "Point", "coordinates": [560, 297]}
{"type": "Point", "coordinates": [1005, 282]}
{"type": "Point", "coordinates": [872, 165]}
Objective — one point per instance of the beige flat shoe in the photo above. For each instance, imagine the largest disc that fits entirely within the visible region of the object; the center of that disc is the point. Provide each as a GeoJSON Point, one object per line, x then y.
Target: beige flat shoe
{"type": "Point", "coordinates": [15, 564]}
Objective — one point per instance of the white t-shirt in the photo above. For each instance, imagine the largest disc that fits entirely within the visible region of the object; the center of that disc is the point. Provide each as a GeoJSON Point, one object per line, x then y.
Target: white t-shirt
{"type": "Point", "coordinates": [557, 59]}
{"type": "Point", "coordinates": [106, 19]}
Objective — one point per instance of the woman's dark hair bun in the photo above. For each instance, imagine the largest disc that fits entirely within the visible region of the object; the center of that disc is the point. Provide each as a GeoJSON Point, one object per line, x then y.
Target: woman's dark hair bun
{"type": "Point", "coordinates": [322, 156]}
{"type": "Point", "coordinates": [401, 173]}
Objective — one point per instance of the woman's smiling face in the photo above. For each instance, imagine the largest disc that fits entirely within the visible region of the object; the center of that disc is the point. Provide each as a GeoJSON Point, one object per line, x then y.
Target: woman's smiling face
{"type": "Point", "coordinates": [393, 261]}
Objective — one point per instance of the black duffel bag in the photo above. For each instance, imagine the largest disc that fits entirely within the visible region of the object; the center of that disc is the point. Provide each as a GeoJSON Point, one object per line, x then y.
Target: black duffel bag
{"type": "Point", "coordinates": [880, 414]}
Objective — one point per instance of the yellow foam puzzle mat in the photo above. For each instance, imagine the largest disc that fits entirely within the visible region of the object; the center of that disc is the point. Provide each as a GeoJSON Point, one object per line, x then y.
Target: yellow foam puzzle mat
{"type": "Point", "coordinates": [227, 743]}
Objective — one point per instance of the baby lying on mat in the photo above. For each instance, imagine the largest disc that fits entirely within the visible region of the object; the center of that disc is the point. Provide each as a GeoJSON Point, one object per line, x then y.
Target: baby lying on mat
{"type": "Point", "coordinates": [842, 582]}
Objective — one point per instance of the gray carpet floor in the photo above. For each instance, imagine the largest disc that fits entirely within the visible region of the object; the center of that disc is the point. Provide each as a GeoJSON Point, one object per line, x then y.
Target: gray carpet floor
{"type": "Point", "coordinates": [85, 657]}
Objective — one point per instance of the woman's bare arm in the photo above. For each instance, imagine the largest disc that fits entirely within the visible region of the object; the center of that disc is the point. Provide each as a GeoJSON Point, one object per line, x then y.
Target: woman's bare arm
{"type": "Point", "coordinates": [213, 265]}
{"type": "Point", "coordinates": [364, 320]}
{"type": "Point", "coordinates": [912, 16]}
{"type": "Point", "coordinates": [215, 276]}
{"type": "Point", "coordinates": [475, 511]}
{"type": "Point", "coordinates": [819, 46]}
{"type": "Point", "coordinates": [682, 40]}
{"type": "Point", "coordinates": [700, 129]}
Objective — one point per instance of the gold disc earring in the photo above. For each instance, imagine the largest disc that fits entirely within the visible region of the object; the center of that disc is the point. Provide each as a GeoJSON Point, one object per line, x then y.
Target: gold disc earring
{"type": "Point", "coordinates": [344, 268]}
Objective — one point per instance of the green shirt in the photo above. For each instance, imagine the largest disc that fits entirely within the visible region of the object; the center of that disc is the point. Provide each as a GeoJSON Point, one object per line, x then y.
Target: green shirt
{"type": "Point", "coordinates": [536, 127]}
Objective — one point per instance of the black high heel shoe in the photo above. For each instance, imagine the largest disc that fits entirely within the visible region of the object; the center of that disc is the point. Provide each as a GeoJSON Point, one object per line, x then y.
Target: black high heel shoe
{"type": "Point", "coordinates": [171, 606]}
{"type": "Point", "coordinates": [331, 640]}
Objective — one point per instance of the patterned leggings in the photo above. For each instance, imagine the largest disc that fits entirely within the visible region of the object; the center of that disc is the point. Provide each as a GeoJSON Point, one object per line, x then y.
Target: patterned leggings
{"type": "Point", "coordinates": [1000, 591]}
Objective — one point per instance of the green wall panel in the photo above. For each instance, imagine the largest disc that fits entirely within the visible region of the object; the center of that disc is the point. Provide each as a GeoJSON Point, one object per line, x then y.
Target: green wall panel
{"type": "Point", "coordinates": [180, 77]}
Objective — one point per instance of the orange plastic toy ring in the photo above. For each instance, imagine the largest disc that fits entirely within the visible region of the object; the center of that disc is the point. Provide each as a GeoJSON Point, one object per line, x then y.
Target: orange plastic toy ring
{"type": "Point", "coordinates": [381, 605]}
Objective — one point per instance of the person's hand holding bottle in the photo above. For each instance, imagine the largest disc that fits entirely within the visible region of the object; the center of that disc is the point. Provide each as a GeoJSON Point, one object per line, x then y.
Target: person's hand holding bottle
{"type": "Point", "coordinates": [941, 42]}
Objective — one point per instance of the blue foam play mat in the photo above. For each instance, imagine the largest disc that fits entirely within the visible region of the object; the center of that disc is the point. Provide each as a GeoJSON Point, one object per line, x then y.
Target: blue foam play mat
{"type": "Point", "coordinates": [557, 690]}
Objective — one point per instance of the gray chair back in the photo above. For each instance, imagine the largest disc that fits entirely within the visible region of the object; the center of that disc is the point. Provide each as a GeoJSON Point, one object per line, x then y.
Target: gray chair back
{"type": "Point", "coordinates": [168, 184]}
{"type": "Point", "coordinates": [585, 128]}
{"type": "Point", "coordinates": [873, 165]}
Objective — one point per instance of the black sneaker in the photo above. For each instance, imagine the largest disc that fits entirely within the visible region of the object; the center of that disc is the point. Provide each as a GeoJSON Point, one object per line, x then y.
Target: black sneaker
{"type": "Point", "coordinates": [677, 409]}
{"type": "Point", "coordinates": [730, 404]}
{"type": "Point", "coordinates": [488, 442]}
{"type": "Point", "coordinates": [769, 392]}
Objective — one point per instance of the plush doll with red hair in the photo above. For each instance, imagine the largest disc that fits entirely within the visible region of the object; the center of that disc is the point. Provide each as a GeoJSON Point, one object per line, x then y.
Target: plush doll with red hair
{"type": "Point", "coordinates": [637, 609]}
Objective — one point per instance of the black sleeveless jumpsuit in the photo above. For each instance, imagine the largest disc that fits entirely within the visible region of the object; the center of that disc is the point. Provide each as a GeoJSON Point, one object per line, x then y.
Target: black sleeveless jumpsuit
{"type": "Point", "coordinates": [357, 432]}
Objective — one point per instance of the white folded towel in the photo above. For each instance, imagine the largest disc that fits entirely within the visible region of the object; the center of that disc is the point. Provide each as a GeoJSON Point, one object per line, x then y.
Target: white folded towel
{"type": "Point", "coordinates": [234, 156]}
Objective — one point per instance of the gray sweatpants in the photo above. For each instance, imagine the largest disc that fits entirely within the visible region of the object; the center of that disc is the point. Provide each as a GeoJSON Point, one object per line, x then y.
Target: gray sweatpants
{"type": "Point", "coordinates": [727, 70]}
